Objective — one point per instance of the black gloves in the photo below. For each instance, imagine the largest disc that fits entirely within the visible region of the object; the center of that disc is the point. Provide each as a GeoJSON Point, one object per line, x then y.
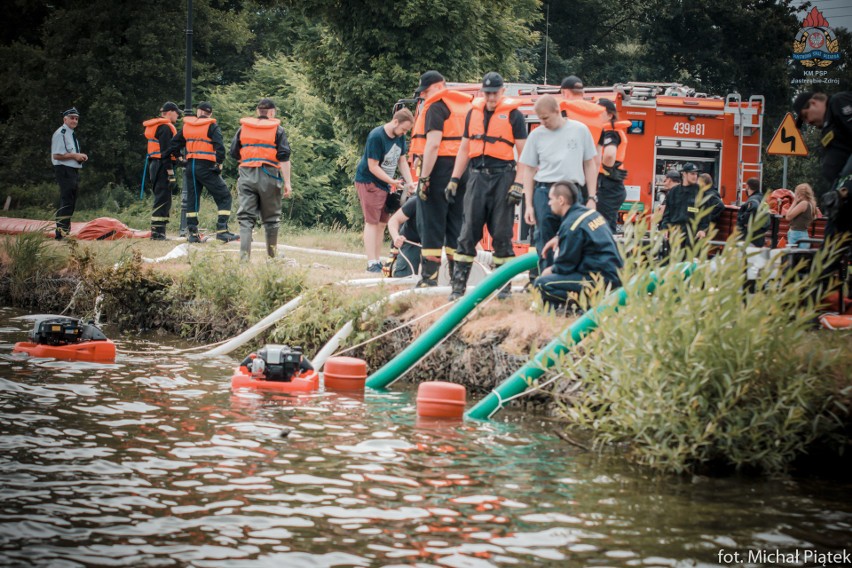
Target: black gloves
{"type": "Point", "coordinates": [173, 186]}
{"type": "Point", "coordinates": [615, 173]}
{"type": "Point", "coordinates": [516, 194]}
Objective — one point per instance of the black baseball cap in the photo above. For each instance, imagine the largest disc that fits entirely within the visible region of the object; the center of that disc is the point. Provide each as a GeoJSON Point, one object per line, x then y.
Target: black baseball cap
{"type": "Point", "coordinates": [428, 79]}
{"type": "Point", "coordinates": [673, 174]}
{"type": "Point", "coordinates": [572, 82]}
{"type": "Point", "coordinates": [205, 106]}
{"type": "Point", "coordinates": [492, 82]}
{"type": "Point", "coordinates": [689, 167]}
{"type": "Point", "coordinates": [71, 112]}
{"type": "Point", "coordinates": [799, 104]}
{"type": "Point", "coordinates": [169, 105]}
{"type": "Point", "coordinates": [265, 103]}
{"type": "Point", "coordinates": [608, 105]}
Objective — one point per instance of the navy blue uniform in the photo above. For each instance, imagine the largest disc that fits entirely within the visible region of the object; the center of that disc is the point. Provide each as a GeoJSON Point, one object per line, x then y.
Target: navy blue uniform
{"type": "Point", "coordinates": [837, 156]}
{"type": "Point", "coordinates": [747, 212]}
{"type": "Point", "coordinates": [409, 251]}
{"type": "Point", "coordinates": [681, 210]}
{"type": "Point", "coordinates": [586, 248]}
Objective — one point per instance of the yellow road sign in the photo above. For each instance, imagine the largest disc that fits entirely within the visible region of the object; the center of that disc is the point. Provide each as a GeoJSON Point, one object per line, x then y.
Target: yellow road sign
{"type": "Point", "coordinates": [787, 140]}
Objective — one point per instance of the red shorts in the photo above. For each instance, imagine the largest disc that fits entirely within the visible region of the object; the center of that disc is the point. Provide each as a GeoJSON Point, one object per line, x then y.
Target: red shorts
{"type": "Point", "coordinates": [372, 199]}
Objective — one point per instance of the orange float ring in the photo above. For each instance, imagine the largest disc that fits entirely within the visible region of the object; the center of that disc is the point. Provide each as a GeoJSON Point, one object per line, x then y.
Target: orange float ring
{"type": "Point", "coordinates": [440, 399]}
{"type": "Point", "coordinates": [306, 381]}
{"type": "Point", "coordinates": [100, 351]}
{"type": "Point", "coordinates": [345, 373]}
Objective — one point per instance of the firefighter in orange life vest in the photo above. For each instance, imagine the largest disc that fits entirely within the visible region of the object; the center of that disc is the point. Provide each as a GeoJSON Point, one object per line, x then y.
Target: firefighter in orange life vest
{"type": "Point", "coordinates": [261, 147]}
{"type": "Point", "coordinates": [493, 129]}
{"type": "Point", "coordinates": [436, 138]}
{"type": "Point", "coordinates": [160, 167]}
{"type": "Point", "coordinates": [613, 148]}
{"type": "Point", "coordinates": [205, 152]}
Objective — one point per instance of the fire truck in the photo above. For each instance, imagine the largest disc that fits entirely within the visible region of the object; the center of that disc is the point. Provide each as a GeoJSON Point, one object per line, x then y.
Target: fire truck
{"type": "Point", "coordinates": [670, 124]}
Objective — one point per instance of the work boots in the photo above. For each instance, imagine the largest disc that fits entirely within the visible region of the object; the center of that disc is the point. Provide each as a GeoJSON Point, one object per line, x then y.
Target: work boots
{"type": "Point", "coordinates": [272, 242]}
{"type": "Point", "coordinates": [505, 292]}
{"type": "Point", "coordinates": [158, 233]}
{"type": "Point", "coordinates": [459, 281]}
{"type": "Point", "coordinates": [428, 273]}
{"type": "Point", "coordinates": [192, 234]}
{"type": "Point", "coordinates": [245, 244]}
{"type": "Point", "coordinates": [222, 232]}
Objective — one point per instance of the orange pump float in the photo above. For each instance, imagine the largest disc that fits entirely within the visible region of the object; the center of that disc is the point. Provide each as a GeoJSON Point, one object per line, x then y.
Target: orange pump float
{"type": "Point", "coordinates": [440, 399]}
{"type": "Point", "coordinates": [305, 381]}
{"type": "Point", "coordinates": [61, 337]}
{"type": "Point", "coordinates": [278, 368]}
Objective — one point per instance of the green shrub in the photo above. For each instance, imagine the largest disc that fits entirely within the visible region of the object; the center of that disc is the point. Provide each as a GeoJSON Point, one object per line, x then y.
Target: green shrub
{"type": "Point", "coordinates": [701, 373]}
{"type": "Point", "coordinates": [30, 264]}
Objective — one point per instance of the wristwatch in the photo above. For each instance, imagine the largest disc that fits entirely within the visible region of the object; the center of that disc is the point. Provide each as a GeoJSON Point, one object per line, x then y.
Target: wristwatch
{"type": "Point", "coordinates": [592, 198]}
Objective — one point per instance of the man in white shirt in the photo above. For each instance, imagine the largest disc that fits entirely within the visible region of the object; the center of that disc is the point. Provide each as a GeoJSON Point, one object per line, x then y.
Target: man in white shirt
{"type": "Point", "coordinates": [67, 163]}
{"type": "Point", "coordinates": [560, 149]}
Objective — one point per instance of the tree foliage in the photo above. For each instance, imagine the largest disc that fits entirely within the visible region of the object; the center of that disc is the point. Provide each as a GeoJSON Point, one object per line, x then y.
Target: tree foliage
{"type": "Point", "coordinates": [367, 54]}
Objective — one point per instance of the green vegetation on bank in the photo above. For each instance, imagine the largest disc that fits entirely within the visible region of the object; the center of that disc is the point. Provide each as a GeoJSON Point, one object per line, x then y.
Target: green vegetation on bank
{"type": "Point", "coordinates": [704, 374]}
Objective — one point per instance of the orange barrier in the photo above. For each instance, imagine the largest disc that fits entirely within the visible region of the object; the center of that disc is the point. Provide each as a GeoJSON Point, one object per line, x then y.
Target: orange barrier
{"type": "Point", "coordinates": [306, 381]}
{"type": "Point", "coordinates": [100, 229]}
{"type": "Point", "coordinates": [345, 373]}
{"type": "Point", "coordinates": [92, 351]}
{"type": "Point", "coordinates": [440, 399]}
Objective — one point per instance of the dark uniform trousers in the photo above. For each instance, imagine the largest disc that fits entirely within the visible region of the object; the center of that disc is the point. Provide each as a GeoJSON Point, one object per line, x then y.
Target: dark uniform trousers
{"type": "Point", "coordinates": [202, 174]}
{"type": "Point", "coordinates": [546, 222]}
{"type": "Point", "coordinates": [69, 183]}
{"type": "Point", "coordinates": [407, 262]}
{"type": "Point", "coordinates": [159, 179]}
{"type": "Point", "coordinates": [611, 195]}
{"type": "Point", "coordinates": [438, 222]}
{"type": "Point", "coordinates": [485, 205]}
{"type": "Point", "coordinates": [557, 289]}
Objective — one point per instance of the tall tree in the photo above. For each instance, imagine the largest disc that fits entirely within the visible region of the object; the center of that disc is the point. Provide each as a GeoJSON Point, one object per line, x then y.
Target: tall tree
{"type": "Point", "coordinates": [365, 53]}
{"type": "Point", "coordinates": [117, 62]}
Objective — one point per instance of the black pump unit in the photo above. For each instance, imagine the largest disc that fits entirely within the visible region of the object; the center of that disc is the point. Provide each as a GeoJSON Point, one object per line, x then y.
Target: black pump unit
{"type": "Point", "coordinates": [282, 362]}
{"type": "Point", "coordinates": [61, 330]}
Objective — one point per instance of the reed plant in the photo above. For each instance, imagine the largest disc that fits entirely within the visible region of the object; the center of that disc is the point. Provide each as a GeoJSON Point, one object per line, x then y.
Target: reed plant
{"type": "Point", "coordinates": [28, 263]}
{"type": "Point", "coordinates": [714, 370]}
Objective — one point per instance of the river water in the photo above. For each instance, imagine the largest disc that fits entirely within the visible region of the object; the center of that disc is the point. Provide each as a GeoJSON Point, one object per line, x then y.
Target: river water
{"type": "Point", "coordinates": [154, 461]}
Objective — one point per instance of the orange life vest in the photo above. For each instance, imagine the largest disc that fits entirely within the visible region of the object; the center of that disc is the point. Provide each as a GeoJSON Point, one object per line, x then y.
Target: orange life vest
{"type": "Point", "coordinates": [621, 127]}
{"type": "Point", "coordinates": [199, 146]}
{"type": "Point", "coordinates": [591, 114]}
{"type": "Point", "coordinates": [151, 126]}
{"type": "Point", "coordinates": [459, 104]}
{"type": "Point", "coordinates": [257, 140]}
{"type": "Point", "coordinates": [499, 141]}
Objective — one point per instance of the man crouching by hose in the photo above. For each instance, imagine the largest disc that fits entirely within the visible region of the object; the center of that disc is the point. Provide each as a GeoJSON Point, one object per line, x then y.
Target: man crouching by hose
{"type": "Point", "coordinates": [494, 128]}
{"type": "Point", "coordinates": [586, 249]}
{"type": "Point", "coordinates": [261, 147]}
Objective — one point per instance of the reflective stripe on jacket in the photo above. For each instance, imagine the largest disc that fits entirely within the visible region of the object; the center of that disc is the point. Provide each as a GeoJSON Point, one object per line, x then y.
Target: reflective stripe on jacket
{"type": "Point", "coordinates": [499, 141]}
{"type": "Point", "coordinates": [257, 142]}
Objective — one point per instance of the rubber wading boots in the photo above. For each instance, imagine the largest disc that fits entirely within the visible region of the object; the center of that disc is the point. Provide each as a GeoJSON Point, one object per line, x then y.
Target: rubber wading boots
{"type": "Point", "coordinates": [272, 242]}
{"type": "Point", "coordinates": [245, 244]}
{"type": "Point", "coordinates": [428, 273]}
{"type": "Point", "coordinates": [459, 281]}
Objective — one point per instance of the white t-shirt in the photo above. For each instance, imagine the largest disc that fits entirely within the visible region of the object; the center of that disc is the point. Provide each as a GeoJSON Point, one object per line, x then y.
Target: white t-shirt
{"type": "Point", "coordinates": [559, 154]}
